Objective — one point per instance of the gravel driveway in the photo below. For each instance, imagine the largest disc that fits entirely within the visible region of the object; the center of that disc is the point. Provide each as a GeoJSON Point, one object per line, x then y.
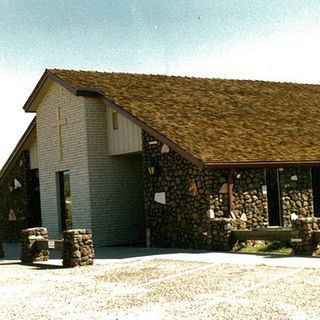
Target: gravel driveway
{"type": "Point", "coordinates": [158, 288]}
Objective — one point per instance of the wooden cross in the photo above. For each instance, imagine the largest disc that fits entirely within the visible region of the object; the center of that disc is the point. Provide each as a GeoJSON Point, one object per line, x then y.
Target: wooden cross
{"type": "Point", "coordinates": [58, 124]}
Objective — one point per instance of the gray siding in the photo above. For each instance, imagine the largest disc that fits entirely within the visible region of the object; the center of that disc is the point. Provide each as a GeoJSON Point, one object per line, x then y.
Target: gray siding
{"type": "Point", "coordinates": [107, 192]}
{"type": "Point", "coordinates": [116, 185]}
{"type": "Point", "coordinates": [74, 146]}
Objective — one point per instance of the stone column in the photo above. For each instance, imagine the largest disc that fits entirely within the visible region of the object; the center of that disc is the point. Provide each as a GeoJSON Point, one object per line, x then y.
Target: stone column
{"type": "Point", "coordinates": [1, 249]}
{"type": "Point", "coordinates": [29, 253]}
{"type": "Point", "coordinates": [77, 248]}
{"type": "Point", "coordinates": [302, 241]}
{"type": "Point", "coordinates": [221, 234]}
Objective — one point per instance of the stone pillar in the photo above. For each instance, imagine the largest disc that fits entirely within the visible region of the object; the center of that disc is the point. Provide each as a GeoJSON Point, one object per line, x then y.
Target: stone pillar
{"type": "Point", "coordinates": [221, 234]}
{"type": "Point", "coordinates": [77, 248]}
{"type": "Point", "coordinates": [302, 241]}
{"type": "Point", "coordinates": [1, 249]}
{"type": "Point", "coordinates": [29, 253]}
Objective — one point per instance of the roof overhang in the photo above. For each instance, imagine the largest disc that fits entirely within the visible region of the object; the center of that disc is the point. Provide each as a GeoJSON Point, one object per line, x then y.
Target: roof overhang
{"type": "Point", "coordinates": [23, 143]}
{"type": "Point", "coordinates": [48, 77]}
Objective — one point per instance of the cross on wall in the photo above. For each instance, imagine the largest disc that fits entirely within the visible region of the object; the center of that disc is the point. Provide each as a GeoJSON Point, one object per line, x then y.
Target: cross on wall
{"type": "Point", "coordinates": [58, 124]}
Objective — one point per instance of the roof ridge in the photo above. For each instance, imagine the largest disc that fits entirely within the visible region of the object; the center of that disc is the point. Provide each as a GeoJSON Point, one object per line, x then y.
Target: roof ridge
{"type": "Point", "coordinates": [191, 77]}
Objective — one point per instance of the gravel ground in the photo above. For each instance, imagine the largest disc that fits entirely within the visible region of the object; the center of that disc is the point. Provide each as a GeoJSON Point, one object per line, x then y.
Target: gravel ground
{"type": "Point", "coordinates": [158, 289]}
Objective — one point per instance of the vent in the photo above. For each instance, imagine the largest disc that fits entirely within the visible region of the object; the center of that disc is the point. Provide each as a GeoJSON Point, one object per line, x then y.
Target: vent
{"type": "Point", "coordinates": [115, 121]}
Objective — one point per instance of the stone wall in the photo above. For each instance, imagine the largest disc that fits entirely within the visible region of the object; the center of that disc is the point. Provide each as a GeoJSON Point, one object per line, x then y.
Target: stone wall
{"type": "Point", "coordinates": [183, 218]}
{"type": "Point", "coordinates": [249, 202]}
{"type": "Point", "coordinates": [195, 198]}
{"type": "Point", "coordinates": [77, 248]}
{"type": "Point", "coordinates": [29, 253]}
{"type": "Point", "coordinates": [14, 199]}
{"type": "Point", "coordinates": [183, 202]}
{"type": "Point", "coordinates": [302, 239]}
{"type": "Point", "coordinates": [221, 234]}
{"type": "Point", "coordinates": [296, 193]}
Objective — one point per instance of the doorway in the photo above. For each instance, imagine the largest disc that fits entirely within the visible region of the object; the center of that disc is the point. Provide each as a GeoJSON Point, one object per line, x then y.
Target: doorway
{"type": "Point", "coordinates": [273, 194]}
{"type": "Point", "coordinates": [65, 200]}
{"type": "Point", "coordinates": [34, 210]}
{"type": "Point", "coordinates": [316, 191]}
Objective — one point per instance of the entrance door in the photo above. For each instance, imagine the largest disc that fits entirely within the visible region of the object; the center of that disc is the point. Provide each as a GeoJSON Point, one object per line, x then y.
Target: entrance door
{"type": "Point", "coordinates": [274, 210]}
{"type": "Point", "coordinates": [316, 191]}
{"type": "Point", "coordinates": [34, 211]}
{"type": "Point", "coordinates": [65, 200]}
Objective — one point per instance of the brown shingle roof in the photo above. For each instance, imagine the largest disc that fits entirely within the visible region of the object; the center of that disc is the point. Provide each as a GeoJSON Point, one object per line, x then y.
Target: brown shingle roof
{"type": "Point", "coordinates": [217, 121]}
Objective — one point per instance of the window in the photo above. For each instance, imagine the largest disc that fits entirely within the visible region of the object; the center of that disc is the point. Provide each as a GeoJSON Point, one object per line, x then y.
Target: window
{"type": "Point", "coordinates": [65, 199]}
{"type": "Point", "coordinates": [273, 196]}
{"type": "Point", "coordinates": [115, 121]}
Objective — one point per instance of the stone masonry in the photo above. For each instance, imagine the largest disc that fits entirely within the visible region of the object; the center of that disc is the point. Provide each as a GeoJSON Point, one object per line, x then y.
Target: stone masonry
{"type": "Point", "coordinates": [184, 219]}
{"type": "Point", "coordinates": [221, 234]}
{"type": "Point", "coordinates": [29, 253]}
{"type": "Point", "coordinates": [296, 193]}
{"type": "Point", "coordinates": [193, 199]}
{"type": "Point", "coordinates": [14, 199]}
{"type": "Point", "coordinates": [77, 248]}
{"type": "Point", "coordinates": [249, 202]}
{"type": "Point", "coordinates": [302, 239]}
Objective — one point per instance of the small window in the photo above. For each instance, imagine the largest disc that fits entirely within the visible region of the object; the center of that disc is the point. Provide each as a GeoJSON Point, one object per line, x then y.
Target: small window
{"type": "Point", "coordinates": [115, 122]}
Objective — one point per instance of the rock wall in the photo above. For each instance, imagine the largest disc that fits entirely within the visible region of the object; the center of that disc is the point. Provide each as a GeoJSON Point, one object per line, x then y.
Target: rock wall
{"type": "Point", "coordinates": [183, 201]}
{"type": "Point", "coordinates": [249, 201]}
{"type": "Point", "coordinates": [221, 234]}
{"type": "Point", "coordinates": [14, 199]}
{"type": "Point", "coordinates": [296, 193]}
{"type": "Point", "coordinates": [77, 248]}
{"type": "Point", "coordinates": [302, 240]}
{"type": "Point", "coordinates": [177, 198]}
{"type": "Point", "coordinates": [29, 253]}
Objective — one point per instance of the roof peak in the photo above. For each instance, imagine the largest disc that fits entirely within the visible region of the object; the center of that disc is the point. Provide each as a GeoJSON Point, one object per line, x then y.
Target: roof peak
{"type": "Point", "coordinates": [191, 77]}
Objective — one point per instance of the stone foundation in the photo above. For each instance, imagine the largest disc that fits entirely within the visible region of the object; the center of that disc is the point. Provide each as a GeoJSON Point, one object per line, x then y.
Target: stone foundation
{"type": "Point", "coordinates": [221, 234]}
{"type": "Point", "coordinates": [192, 198]}
{"type": "Point", "coordinates": [249, 202]}
{"type": "Point", "coordinates": [14, 199]}
{"type": "Point", "coordinates": [77, 248]}
{"type": "Point", "coordinates": [296, 193]}
{"type": "Point", "coordinates": [29, 253]}
{"type": "Point", "coordinates": [302, 241]}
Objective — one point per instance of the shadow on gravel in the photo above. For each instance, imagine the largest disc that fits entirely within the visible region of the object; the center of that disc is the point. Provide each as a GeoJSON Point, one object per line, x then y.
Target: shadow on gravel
{"type": "Point", "coordinates": [9, 263]}
{"type": "Point", "coordinates": [277, 256]}
{"type": "Point", "coordinates": [42, 266]}
{"type": "Point", "coordinates": [39, 266]}
{"type": "Point", "coordinates": [136, 252]}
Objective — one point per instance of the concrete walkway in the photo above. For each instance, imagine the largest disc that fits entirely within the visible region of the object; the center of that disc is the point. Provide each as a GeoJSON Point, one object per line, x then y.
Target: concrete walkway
{"type": "Point", "coordinates": [109, 255]}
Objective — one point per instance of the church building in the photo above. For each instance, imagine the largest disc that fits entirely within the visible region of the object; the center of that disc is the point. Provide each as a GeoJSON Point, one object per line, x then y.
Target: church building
{"type": "Point", "coordinates": [154, 160]}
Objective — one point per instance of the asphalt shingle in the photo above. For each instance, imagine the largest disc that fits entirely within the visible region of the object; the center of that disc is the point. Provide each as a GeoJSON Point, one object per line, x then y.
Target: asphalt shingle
{"type": "Point", "coordinates": [214, 120]}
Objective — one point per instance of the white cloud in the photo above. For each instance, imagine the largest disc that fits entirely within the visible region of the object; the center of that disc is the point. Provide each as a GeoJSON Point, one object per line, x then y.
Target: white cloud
{"type": "Point", "coordinates": [289, 56]}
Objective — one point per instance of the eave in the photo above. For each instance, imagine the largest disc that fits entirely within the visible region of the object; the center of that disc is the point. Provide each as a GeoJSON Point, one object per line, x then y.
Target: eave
{"type": "Point", "coordinates": [92, 92]}
{"type": "Point", "coordinates": [18, 147]}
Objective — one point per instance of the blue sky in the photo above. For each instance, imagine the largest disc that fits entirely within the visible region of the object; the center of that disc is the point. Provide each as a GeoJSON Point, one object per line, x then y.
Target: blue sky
{"type": "Point", "coordinates": [248, 39]}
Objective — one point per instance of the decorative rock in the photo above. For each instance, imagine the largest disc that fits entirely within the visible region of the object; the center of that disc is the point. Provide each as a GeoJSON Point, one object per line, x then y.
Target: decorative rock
{"type": "Point", "coordinates": [77, 248]}
{"type": "Point", "coordinates": [221, 232]}
{"type": "Point", "coordinates": [297, 195]}
{"type": "Point", "coordinates": [29, 253]}
{"type": "Point", "coordinates": [302, 241]}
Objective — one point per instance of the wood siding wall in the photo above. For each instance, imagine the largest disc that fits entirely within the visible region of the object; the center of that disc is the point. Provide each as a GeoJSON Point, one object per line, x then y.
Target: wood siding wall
{"type": "Point", "coordinates": [34, 155]}
{"type": "Point", "coordinates": [125, 137]}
